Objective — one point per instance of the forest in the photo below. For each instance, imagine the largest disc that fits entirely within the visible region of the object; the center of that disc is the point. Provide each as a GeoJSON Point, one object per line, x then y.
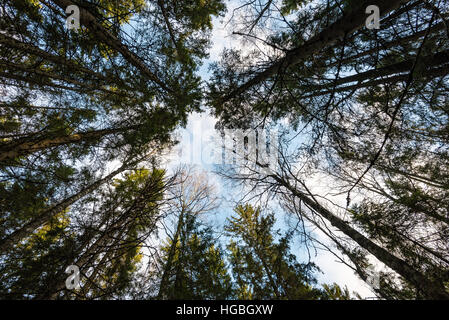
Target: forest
{"type": "Point", "coordinates": [94, 93]}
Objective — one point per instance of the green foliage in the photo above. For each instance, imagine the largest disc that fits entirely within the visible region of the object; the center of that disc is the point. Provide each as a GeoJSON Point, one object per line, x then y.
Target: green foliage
{"type": "Point", "coordinates": [263, 268]}
{"type": "Point", "coordinates": [198, 268]}
{"type": "Point", "coordinates": [370, 110]}
{"type": "Point", "coordinates": [335, 292]}
{"type": "Point", "coordinates": [288, 6]}
{"type": "Point", "coordinates": [32, 265]}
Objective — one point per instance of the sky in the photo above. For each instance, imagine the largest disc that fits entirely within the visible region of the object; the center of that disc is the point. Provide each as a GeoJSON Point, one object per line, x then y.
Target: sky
{"type": "Point", "coordinates": [194, 149]}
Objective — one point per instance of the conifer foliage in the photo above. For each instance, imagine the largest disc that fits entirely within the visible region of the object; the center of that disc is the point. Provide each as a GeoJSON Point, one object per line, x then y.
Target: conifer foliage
{"type": "Point", "coordinates": [87, 114]}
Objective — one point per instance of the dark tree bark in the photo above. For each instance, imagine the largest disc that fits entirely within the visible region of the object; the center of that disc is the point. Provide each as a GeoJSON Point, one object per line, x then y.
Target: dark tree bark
{"type": "Point", "coordinates": [431, 289]}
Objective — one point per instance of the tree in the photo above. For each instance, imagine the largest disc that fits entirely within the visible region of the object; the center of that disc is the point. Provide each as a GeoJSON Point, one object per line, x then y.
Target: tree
{"type": "Point", "coordinates": [190, 197]}
{"type": "Point", "coordinates": [198, 269]}
{"type": "Point", "coordinates": [31, 265]}
{"type": "Point", "coordinates": [75, 96]}
{"type": "Point", "coordinates": [264, 269]}
{"type": "Point", "coordinates": [370, 111]}
{"type": "Point", "coordinates": [287, 185]}
{"type": "Point", "coordinates": [108, 249]}
{"type": "Point", "coordinates": [75, 101]}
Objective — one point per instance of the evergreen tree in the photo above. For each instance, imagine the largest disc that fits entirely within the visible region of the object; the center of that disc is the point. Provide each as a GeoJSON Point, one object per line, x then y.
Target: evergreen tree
{"type": "Point", "coordinates": [198, 269]}
{"type": "Point", "coordinates": [370, 107]}
{"type": "Point", "coordinates": [262, 268]}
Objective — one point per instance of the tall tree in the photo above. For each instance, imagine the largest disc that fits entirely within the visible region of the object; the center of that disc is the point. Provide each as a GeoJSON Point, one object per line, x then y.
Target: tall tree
{"type": "Point", "coordinates": [264, 269]}
{"type": "Point", "coordinates": [198, 269]}
{"type": "Point", "coordinates": [74, 101]}
{"type": "Point", "coordinates": [369, 107]}
{"type": "Point", "coordinates": [191, 197]}
{"type": "Point", "coordinates": [108, 249]}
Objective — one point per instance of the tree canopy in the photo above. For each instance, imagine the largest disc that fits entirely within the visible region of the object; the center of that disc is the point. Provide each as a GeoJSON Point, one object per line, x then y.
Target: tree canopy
{"type": "Point", "coordinates": [88, 114]}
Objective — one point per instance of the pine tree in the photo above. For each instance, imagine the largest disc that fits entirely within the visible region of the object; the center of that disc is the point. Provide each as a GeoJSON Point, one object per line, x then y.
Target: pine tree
{"type": "Point", "coordinates": [197, 269]}
{"type": "Point", "coordinates": [263, 268]}
{"type": "Point", "coordinates": [370, 109]}
{"type": "Point", "coordinates": [108, 249]}
{"type": "Point", "coordinates": [75, 100]}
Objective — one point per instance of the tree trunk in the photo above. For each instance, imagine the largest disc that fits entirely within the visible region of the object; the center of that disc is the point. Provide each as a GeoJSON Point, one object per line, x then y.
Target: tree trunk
{"type": "Point", "coordinates": [113, 232]}
{"type": "Point", "coordinates": [430, 61]}
{"type": "Point", "coordinates": [387, 45]}
{"type": "Point", "coordinates": [346, 25]}
{"type": "Point", "coordinates": [164, 280]}
{"type": "Point", "coordinates": [428, 75]}
{"type": "Point", "coordinates": [268, 272]}
{"type": "Point", "coordinates": [13, 149]}
{"type": "Point", "coordinates": [431, 289]}
{"type": "Point", "coordinates": [45, 216]}
{"type": "Point", "coordinates": [88, 20]}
